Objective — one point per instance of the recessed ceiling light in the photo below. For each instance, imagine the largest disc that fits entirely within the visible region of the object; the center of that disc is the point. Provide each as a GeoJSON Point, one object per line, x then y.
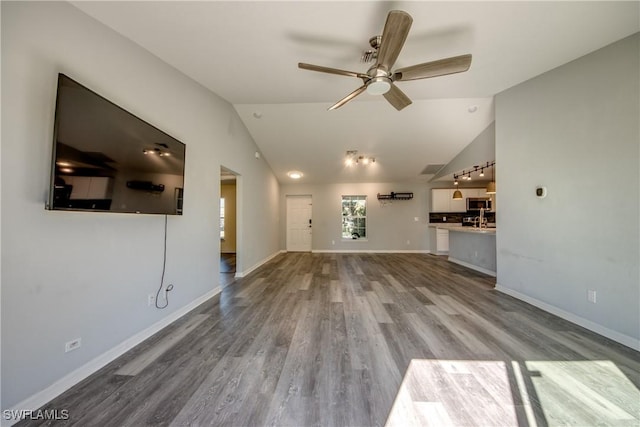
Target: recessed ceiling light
{"type": "Point", "coordinates": [257, 114]}
{"type": "Point", "coordinates": [472, 108]}
{"type": "Point", "coordinates": [295, 174]}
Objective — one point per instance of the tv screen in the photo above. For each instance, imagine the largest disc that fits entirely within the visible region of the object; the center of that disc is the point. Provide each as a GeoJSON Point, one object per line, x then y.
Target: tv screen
{"type": "Point", "coordinates": [105, 159]}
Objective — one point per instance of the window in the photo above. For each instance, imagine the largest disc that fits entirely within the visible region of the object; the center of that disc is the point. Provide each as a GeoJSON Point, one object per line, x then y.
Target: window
{"type": "Point", "coordinates": [354, 217]}
{"type": "Point", "coordinates": [221, 218]}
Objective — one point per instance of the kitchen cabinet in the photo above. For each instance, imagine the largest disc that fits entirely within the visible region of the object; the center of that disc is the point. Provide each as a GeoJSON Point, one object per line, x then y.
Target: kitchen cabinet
{"type": "Point", "coordinates": [440, 199]}
{"type": "Point", "coordinates": [458, 205]}
{"type": "Point", "coordinates": [442, 241]}
{"type": "Point", "coordinates": [89, 187]}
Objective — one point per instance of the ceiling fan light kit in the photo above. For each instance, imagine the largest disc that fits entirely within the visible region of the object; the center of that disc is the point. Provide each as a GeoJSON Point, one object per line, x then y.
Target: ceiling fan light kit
{"type": "Point", "coordinates": [379, 79]}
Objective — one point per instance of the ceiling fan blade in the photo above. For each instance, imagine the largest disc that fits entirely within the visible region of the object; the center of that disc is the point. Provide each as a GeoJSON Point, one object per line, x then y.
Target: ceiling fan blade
{"type": "Point", "coordinates": [348, 97]}
{"type": "Point", "coordinates": [441, 67]}
{"type": "Point", "coordinates": [394, 35]}
{"type": "Point", "coordinates": [397, 98]}
{"type": "Point", "coordinates": [332, 70]}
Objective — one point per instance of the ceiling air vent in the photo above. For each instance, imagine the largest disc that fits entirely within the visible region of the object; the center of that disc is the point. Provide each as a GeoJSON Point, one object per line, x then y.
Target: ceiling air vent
{"type": "Point", "coordinates": [431, 169]}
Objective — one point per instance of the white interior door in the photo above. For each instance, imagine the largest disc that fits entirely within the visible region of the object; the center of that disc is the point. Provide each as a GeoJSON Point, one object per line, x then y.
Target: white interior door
{"type": "Point", "coordinates": [299, 227]}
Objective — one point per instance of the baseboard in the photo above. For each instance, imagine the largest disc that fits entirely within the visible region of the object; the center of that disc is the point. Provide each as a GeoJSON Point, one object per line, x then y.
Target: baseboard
{"type": "Point", "coordinates": [368, 251]}
{"type": "Point", "coordinates": [473, 267]}
{"type": "Point", "coordinates": [258, 264]}
{"type": "Point", "coordinates": [43, 397]}
{"type": "Point", "coordinates": [580, 321]}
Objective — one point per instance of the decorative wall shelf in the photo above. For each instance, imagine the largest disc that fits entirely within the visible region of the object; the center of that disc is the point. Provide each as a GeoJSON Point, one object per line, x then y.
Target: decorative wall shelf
{"type": "Point", "coordinates": [395, 196]}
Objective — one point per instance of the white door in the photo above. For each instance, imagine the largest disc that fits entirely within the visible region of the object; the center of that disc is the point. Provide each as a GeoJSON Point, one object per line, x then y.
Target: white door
{"type": "Point", "coordinates": [299, 224]}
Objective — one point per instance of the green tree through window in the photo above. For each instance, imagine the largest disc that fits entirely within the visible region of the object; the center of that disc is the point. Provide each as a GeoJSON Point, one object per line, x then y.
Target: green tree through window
{"type": "Point", "coordinates": [354, 217]}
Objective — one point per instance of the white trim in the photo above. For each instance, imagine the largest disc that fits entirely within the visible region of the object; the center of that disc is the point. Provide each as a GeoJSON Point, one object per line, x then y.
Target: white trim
{"type": "Point", "coordinates": [244, 273]}
{"type": "Point", "coordinates": [473, 267]}
{"type": "Point", "coordinates": [369, 251]}
{"type": "Point", "coordinates": [580, 321]}
{"type": "Point", "coordinates": [65, 383]}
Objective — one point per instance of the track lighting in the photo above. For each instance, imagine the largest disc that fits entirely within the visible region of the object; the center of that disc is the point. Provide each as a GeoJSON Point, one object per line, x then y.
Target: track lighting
{"type": "Point", "coordinates": [156, 151]}
{"type": "Point", "coordinates": [457, 195]}
{"type": "Point", "coordinates": [466, 175]}
{"type": "Point", "coordinates": [352, 158]}
{"type": "Point", "coordinates": [491, 187]}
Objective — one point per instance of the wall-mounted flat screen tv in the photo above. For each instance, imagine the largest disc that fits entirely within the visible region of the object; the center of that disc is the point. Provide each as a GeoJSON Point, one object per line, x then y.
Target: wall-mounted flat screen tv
{"type": "Point", "coordinates": [105, 159]}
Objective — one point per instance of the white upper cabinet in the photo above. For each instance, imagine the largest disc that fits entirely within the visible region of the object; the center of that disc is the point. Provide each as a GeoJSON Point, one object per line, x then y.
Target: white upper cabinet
{"type": "Point", "coordinates": [442, 199]}
{"type": "Point", "coordinates": [89, 187]}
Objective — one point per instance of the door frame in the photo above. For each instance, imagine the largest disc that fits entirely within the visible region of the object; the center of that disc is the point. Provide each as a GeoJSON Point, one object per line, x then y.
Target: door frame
{"type": "Point", "coordinates": [224, 171]}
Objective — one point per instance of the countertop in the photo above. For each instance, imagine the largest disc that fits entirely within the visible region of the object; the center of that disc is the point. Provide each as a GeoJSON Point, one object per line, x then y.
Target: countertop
{"type": "Point", "coordinates": [445, 226]}
{"type": "Point", "coordinates": [458, 227]}
{"type": "Point", "coordinates": [473, 230]}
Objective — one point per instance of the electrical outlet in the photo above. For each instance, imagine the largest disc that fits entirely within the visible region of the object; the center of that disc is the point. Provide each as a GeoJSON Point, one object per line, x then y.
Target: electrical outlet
{"type": "Point", "coordinates": [151, 299]}
{"type": "Point", "coordinates": [72, 345]}
{"type": "Point", "coordinates": [408, 242]}
{"type": "Point", "coordinates": [591, 296]}
{"type": "Point", "coordinates": [333, 242]}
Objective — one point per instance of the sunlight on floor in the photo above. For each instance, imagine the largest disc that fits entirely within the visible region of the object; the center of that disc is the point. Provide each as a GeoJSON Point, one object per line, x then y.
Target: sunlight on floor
{"type": "Point", "coordinates": [453, 393]}
{"type": "Point", "coordinates": [495, 393]}
{"type": "Point", "coordinates": [590, 392]}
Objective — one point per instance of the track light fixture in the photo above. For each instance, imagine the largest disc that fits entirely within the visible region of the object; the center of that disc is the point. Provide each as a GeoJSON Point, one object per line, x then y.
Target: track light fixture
{"type": "Point", "coordinates": [457, 195]}
{"type": "Point", "coordinates": [466, 175]}
{"type": "Point", "coordinates": [491, 187]}
{"type": "Point", "coordinates": [352, 158]}
{"type": "Point", "coordinates": [156, 151]}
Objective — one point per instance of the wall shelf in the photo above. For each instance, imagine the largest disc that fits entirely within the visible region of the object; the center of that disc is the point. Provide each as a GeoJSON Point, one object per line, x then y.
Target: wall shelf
{"type": "Point", "coordinates": [395, 196]}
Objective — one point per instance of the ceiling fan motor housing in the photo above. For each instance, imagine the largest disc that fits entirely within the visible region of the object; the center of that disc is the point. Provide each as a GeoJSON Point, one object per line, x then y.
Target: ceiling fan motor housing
{"type": "Point", "coordinates": [380, 82]}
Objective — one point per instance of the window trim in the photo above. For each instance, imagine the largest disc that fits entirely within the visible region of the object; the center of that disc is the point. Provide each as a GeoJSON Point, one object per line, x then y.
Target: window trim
{"type": "Point", "coordinates": [342, 217]}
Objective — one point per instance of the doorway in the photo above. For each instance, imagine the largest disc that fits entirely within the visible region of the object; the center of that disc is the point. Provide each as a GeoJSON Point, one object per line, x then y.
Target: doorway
{"type": "Point", "coordinates": [228, 226]}
{"type": "Point", "coordinates": [299, 226]}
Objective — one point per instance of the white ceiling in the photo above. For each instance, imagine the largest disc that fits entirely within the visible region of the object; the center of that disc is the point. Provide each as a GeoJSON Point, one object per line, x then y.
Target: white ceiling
{"type": "Point", "coordinates": [247, 52]}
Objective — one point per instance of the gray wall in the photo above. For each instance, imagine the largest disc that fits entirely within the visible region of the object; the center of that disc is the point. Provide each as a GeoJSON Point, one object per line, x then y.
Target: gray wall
{"type": "Point", "coordinates": [574, 130]}
{"type": "Point", "coordinates": [479, 151]}
{"type": "Point", "coordinates": [73, 274]}
{"type": "Point", "coordinates": [388, 227]}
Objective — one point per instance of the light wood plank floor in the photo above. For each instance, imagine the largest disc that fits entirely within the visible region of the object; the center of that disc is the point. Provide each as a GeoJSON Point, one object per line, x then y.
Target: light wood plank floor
{"type": "Point", "coordinates": [363, 340]}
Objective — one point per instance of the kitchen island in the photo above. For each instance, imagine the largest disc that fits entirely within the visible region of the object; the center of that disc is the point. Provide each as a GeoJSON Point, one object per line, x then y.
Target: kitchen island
{"type": "Point", "coordinates": [474, 248]}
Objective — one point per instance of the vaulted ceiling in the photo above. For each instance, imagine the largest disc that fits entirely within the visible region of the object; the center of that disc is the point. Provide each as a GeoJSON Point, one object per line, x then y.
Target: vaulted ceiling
{"type": "Point", "coordinates": [247, 53]}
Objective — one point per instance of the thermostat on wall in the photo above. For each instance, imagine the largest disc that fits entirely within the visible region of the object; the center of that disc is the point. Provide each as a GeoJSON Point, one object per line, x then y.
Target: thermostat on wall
{"type": "Point", "coordinates": [541, 192]}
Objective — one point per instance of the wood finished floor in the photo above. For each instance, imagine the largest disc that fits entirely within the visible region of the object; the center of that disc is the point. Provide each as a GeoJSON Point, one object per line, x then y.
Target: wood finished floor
{"type": "Point", "coordinates": [227, 268]}
{"type": "Point", "coordinates": [363, 340]}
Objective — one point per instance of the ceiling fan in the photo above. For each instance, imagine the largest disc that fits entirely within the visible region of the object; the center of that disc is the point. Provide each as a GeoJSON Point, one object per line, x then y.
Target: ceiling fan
{"type": "Point", "coordinates": [379, 79]}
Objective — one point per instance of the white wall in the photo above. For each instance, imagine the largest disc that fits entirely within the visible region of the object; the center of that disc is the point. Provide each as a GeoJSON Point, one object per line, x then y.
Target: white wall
{"type": "Point", "coordinates": [574, 130]}
{"type": "Point", "coordinates": [388, 227]}
{"type": "Point", "coordinates": [75, 274]}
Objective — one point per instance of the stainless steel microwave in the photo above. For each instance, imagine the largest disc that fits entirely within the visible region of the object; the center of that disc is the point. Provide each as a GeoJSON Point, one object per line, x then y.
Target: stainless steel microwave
{"type": "Point", "coordinates": [477, 203]}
